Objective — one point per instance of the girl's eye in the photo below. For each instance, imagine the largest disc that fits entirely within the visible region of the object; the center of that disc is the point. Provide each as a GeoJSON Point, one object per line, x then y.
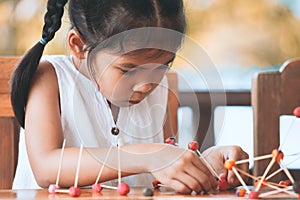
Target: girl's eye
{"type": "Point", "coordinates": [128, 72]}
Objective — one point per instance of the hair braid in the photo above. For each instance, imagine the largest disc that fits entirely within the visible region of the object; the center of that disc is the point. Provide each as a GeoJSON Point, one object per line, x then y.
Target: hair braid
{"type": "Point", "coordinates": [27, 67]}
{"type": "Point", "coordinates": [52, 19]}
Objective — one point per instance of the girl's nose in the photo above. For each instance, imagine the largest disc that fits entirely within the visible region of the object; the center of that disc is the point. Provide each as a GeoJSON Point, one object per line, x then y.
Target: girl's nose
{"type": "Point", "coordinates": [142, 87]}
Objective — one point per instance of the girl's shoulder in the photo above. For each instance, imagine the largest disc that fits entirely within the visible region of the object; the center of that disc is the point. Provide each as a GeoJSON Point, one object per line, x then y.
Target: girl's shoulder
{"type": "Point", "coordinates": [47, 67]}
{"type": "Point", "coordinates": [63, 67]}
{"type": "Point", "coordinates": [58, 61]}
{"type": "Point", "coordinates": [45, 75]}
{"type": "Point", "coordinates": [43, 88]}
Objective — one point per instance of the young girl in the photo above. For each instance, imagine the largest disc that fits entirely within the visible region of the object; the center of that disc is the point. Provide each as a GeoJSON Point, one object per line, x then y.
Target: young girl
{"type": "Point", "coordinates": [112, 91]}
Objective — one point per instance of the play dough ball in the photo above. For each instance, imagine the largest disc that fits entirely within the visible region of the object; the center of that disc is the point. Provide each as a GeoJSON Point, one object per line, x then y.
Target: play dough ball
{"type": "Point", "coordinates": [52, 188]}
{"type": "Point", "coordinates": [193, 146]}
{"type": "Point", "coordinates": [285, 183]}
{"type": "Point", "coordinates": [229, 164]}
{"type": "Point", "coordinates": [240, 192]}
{"type": "Point", "coordinates": [253, 195]}
{"type": "Point", "coordinates": [148, 192]}
{"type": "Point", "coordinates": [156, 183]}
{"type": "Point", "coordinates": [222, 183]}
{"type": "Point", "coordinates": [74, 191]}
{"type": "Point", "coordinates": [97, 188]}
{"type": "Point", "coordinates": [123, 189]}
{"type": "Point", "coordinates": [170, 140]}
{"type": "Point", "coordinates": [297, 112]}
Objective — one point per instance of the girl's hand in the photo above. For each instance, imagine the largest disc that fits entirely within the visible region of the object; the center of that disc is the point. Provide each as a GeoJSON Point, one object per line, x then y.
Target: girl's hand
{"type": "Point", "coordinates": [183, 171]}
{"type": "Point", "coordinates": [216, 156]}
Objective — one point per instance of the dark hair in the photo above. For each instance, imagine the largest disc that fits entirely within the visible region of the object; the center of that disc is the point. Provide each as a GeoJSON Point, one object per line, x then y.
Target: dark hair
{"type": "Point", "coordinates": [96, 21]}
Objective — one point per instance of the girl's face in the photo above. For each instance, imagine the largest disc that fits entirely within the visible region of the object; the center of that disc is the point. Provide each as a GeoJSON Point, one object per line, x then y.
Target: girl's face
{"type": "Point", "coordinates": [126, 80]}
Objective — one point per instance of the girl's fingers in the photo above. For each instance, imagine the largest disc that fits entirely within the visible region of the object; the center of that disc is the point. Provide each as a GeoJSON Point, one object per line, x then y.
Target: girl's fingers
{"type": "Point", "coordinates": [237, 153]}
{"type": "Point", "coordinates": [190, 182]}
{"type": "Point", "coordinates": [203, 175]}
{"type": "Point", "coordinates": [232, 179]}
{"type": "Point", "coordinates": [179, 187]}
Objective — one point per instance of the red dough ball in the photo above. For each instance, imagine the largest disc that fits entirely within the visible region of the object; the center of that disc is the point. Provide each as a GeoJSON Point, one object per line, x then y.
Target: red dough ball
{"type": "Point", "coordinates": [279, 156]}
{"type": "Point", "coordinates": [97, 188]}
{"type": "Point", "coordinates": [123, 189]}
{"type": "Point", "coordinates": [52, 188]}
{"type": "Point", "coordinates": [74, 191]}
{"type": "Point", "coordinates": [285, 183]}
{"type": "Point", "coordinates": [171, 140]}
{"type": "Point", "coordinates": [297, 112]}
{"type": "Point", "coordinates": [253, 195]}
{"type": "Point", "coordinates": [193, 146]}
{"type": "Point", "coordinates": [222, 184]}
{"type": "Point", "coordinates": [156, 183]}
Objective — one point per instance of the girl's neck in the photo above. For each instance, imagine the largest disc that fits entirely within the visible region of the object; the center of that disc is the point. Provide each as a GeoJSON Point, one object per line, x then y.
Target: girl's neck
{"type": "Point", "coordinates": [114, 110]}
{"type": "Point", "coordinates": [80, 65]}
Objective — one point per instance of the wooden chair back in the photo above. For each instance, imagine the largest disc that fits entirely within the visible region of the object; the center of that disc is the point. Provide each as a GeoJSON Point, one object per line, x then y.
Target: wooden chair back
{"type": "Point", "coordinates": [171, 123]}
{"type": "Point", "coordinates": [273, 94]}
{"type": "Point", "coordinates": [9, 129]}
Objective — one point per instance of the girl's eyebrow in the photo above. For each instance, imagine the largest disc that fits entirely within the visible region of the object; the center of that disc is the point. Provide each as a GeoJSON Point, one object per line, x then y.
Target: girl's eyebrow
{"type": "Point", "coordinates": [132, 65]}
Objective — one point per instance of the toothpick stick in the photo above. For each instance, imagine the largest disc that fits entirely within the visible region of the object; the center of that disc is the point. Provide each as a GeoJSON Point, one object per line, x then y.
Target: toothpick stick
{"type": "Point", "coordinates": [254, 159]}
{"type": "Point", "coordinates": [240, 179]}
{"type": "Point", "coordinates": [275, 184]}
{"type": "Point", "coordinates": [265, 173]}
{"type": "Point", "coordinates": [62, 191]}
{"type": "Point", "coordinates": [210, 168]}
{"type": "Point", "coordinates": [274, 173]}
{"type": "Point", "coordinates": [246, 173]}
{"type": "Point", "coordinates": [286, 171]}
{"type": "Point", "coordinates": [161, 185]}
{"type": "Point", "coordinates": [278, 191]}
{"type": "Point", "coordinates": [60, 161]}
{"type": "Point", "coordinates": [119, 165]}
{"type": "Point", "coordinates": [256, 178]}
{"type": "Point", "coordinates": [109, 187]}
{"type": "Point", "coordinates": [78, 166]}
{"type": "Point", "coordinates": [102, 167]}
{"type": "Point", "coordinates": [285, 190]}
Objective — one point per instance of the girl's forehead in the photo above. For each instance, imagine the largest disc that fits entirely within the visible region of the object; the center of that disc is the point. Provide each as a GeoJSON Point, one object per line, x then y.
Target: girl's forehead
{"type": "Point", "coordinates": [140, 57]}
{"type": "Point", "coordinates": [148, 55]}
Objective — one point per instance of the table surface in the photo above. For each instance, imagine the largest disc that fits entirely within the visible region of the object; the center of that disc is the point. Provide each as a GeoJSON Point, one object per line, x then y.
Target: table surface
{"type": "Point", "coordinates": [135, 193]}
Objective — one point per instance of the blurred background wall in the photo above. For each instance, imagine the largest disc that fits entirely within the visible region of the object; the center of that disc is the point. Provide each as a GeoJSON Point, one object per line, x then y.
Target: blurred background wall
{"type": "Point", "coordinates": [243, 33]}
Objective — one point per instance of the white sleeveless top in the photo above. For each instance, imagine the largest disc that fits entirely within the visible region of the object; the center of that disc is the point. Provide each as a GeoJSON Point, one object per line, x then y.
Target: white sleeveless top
{"type": "Point", "coordinates": [87, 119]}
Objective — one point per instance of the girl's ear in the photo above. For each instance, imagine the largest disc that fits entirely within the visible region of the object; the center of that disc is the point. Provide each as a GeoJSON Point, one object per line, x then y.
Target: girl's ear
{"type": "Point", "coordinates": [76, 44]}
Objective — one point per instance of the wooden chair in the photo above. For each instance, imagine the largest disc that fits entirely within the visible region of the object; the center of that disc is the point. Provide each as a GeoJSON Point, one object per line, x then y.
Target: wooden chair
{"type": "Point", "coordinates": [273, 94]}
{"type": "Point", "coordinates": [171, 123]}
{"type": "Point", "coordinates": [9, 129]}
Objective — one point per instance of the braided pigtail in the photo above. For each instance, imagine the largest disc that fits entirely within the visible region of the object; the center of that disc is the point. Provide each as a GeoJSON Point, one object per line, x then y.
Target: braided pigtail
{"type": "Point", "coordinates": [27, 67]}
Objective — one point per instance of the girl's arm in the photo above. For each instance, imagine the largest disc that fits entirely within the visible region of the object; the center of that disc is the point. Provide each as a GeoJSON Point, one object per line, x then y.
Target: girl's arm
{"type": "Point", "coordinates": [44, 137]}
{"type": "Point", "coordinates": [175, 167]}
